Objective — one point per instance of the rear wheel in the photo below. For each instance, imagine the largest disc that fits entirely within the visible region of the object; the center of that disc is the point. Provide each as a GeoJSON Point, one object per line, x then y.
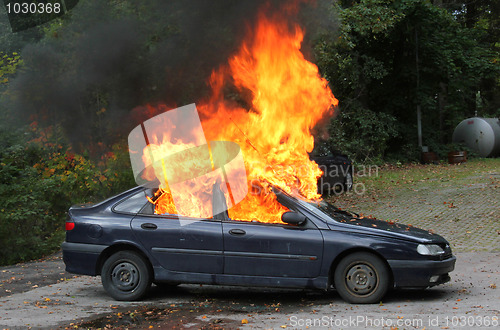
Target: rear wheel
{"type": "Point", "coordinates": [361, 278]}
{"type": "Point", "coordinates": [126, 276]}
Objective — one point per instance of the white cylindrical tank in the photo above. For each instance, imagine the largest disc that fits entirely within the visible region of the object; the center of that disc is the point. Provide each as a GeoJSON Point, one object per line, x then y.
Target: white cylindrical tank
{"type": "Point", "coordinates": [481, 135]}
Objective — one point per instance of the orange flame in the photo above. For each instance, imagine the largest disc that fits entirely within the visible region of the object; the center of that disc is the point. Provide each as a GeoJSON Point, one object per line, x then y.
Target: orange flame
{"type": "Point", "coordinates": [287, 99]}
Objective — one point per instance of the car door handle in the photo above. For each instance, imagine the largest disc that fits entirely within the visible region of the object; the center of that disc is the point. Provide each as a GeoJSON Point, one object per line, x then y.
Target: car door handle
{"type": "Point", "coordinates": [237, 232]}
{"type": "Point", "coordinates": [149, 226]}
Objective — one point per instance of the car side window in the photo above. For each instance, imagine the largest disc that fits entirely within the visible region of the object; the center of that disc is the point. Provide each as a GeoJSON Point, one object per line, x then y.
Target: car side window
{"type": "Point", "coordinates": [149, 209]}
{"type": "Point", "coordinates": [265, 220]}
{"type": "Point", "coordinates": [132, 204]}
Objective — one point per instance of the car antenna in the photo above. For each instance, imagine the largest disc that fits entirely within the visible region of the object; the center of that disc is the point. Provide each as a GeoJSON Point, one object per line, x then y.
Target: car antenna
{"type": "Point", "coordinates": [246, 137]}
{"type": "Point", "coordinates": [249, 142]}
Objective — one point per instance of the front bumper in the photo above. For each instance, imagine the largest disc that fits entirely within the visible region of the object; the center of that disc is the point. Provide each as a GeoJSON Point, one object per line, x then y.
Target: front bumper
{"type": "Point", "coordinates": [421, 273]}
{"type": "Point", "coordinates": [81, 258]}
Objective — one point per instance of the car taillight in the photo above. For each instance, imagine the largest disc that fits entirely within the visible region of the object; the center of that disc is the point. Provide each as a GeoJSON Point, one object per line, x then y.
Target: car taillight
{"type": "Point", "coordinates": [70, 226]}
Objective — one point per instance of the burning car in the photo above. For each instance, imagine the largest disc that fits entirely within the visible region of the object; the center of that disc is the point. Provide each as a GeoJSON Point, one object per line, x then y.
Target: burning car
{"type": "Point", "coordinates": [316, 246]}
{"type": "Point", "coordinates": [230, 196]}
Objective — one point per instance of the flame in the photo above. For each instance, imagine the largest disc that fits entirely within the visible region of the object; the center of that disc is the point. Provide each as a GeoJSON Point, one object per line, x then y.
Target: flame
{"type": "Point", "coordinates": [287, 98]}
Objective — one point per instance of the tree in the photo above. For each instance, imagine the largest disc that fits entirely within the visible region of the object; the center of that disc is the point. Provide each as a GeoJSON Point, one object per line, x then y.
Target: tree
{"type": "Point", "coordinates": [390, 56]}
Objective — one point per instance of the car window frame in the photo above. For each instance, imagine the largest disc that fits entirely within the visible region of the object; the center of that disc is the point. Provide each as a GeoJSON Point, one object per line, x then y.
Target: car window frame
{"type": "Point", "coordinates": [113, 208]}
{"type": "Point", "coordinates": [175, 217]}
{"type": "Point", "coordinates": [169, 216]}
{"type": "Point", "coordinates": [309, 224]}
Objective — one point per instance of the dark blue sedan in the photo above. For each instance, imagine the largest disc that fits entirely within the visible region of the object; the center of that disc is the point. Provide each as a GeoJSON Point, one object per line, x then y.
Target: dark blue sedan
{"type": "Point", "coordinates": [317, 246]}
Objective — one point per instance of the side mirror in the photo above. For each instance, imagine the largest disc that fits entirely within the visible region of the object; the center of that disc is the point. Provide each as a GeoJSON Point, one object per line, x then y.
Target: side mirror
{"type": "Point", "coordinates": [293, 218]}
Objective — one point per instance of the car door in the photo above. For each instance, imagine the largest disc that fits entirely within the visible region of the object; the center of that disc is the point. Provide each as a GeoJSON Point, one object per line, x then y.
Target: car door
{"type": "Point", "coordinates": [181, 244]}
{"type": "Point", "coordinates": [280, 250]}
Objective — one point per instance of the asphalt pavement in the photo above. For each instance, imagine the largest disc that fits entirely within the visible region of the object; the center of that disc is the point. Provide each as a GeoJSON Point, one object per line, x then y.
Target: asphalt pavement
{"type": "Point", "coordinates": [469, 300]}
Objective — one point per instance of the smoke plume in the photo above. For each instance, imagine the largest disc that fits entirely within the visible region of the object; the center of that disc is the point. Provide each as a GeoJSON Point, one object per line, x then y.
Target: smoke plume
{"type": "Point", "coordinates": [108, 58]}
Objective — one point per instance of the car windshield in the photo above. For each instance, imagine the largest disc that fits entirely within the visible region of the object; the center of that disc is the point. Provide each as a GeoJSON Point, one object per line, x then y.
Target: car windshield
{"type": "Point", "coordinates": [323, 208]}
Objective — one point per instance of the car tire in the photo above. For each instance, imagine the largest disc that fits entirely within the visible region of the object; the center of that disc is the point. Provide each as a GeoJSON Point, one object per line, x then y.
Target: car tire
{"type": "Point", "coordinates": [348, 182]}
{"type": "Point", "coordinates": [126, 276]}
{"type": "Point", "coordinates": [362, 278]}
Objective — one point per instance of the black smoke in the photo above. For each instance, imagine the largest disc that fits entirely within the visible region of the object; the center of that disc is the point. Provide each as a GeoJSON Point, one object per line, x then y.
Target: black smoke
{"type": "Point", "coordinates": [107, 58]}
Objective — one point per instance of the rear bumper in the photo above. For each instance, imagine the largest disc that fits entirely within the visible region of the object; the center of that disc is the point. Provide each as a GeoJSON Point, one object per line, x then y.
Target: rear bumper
{"type": "Point", "coordinates": [421, 273]}
{"type": "Point", "coordinates": [82, 258]}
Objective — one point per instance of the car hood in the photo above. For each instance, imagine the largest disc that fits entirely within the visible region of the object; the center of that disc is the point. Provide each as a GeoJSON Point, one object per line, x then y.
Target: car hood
{"type": "Point", "coordinates": [341, 220]}
{"type": "Point", "coordinates": [388, 228]}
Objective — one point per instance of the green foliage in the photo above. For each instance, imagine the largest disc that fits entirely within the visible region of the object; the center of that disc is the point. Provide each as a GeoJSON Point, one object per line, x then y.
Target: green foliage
{"type": "Point", "coordinates": [40, 178]}
{"type": "Point", "coordinates": [362, 134]}
{"type": "Point", "coordinates": [8, 66]}
{"type": "Point", "coordinates": [370, 18]}
{"type": "Point", "coordinates": [390, 56]}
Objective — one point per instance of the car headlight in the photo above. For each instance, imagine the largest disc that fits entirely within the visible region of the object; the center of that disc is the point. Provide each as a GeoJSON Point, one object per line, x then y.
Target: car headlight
{"type": "Point", "coordinates": [429, 249]}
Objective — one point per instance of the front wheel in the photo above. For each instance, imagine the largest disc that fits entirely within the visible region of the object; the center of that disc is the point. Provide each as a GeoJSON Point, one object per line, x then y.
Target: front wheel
{"type": "Point", "coordinates": [361, 278]}
{"type": "Point", "coordinates": [126, 276]}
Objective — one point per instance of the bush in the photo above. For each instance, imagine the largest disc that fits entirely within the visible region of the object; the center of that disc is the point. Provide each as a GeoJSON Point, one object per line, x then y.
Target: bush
{"type": "Point", "coordinates": [40, 179]}
{"type": "Point", "coordinates": [362, 134]}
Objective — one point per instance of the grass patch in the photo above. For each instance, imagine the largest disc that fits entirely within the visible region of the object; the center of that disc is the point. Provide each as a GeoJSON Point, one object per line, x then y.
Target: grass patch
{"type": "Point", "coordinates": [388, 177]}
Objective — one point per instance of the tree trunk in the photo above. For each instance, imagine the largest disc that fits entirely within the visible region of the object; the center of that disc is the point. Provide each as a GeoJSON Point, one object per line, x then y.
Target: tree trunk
{"type": "Point", "coordinates": [442, 99]}
{"type": "Point", "coordinates": [471, 14]}
{"type": "Point", "coordinates": [438, 3]}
